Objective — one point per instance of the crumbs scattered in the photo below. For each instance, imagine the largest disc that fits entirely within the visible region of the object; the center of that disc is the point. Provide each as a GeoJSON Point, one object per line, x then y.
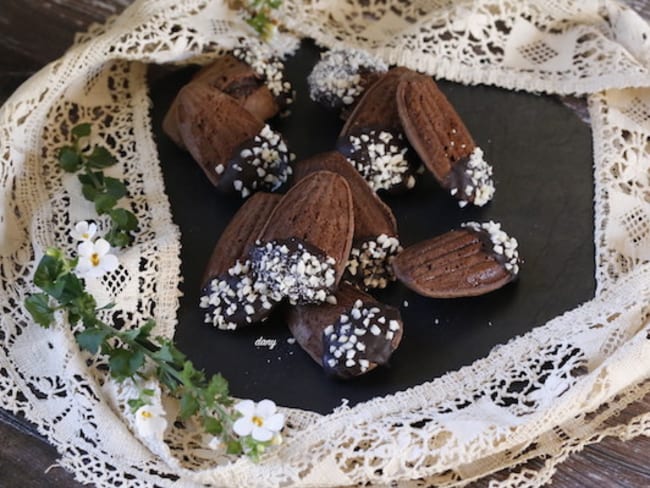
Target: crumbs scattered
{"type": "Point", "coordinates": [345, 405]}
{"type": "Point", "coordinates": [291, 340]}
{"type": "Point", "coordinates": [436, 321]}
{"type": "Point", "coordinates": [406, 303]}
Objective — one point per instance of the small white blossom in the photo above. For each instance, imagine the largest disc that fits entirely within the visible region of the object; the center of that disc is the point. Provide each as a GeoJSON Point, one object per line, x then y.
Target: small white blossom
{"type": "Point", "coordinates": [150, 421]}
{"type": "Point", "coordinates": [215, 443]}
{"type": "Point", "coordinates": [95, 259]}
{"type": "Point", "coordinates": [84, 231]}
{"type": "Point", "coordinates": [258, 420]}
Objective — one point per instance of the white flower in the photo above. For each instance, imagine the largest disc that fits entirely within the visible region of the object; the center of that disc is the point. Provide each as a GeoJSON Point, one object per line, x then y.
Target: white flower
{"type": "Point", "coordinates": [83, 231]}
{"type": "Point", "coordinates": [95, 259]}
{"type": "Point", "coordinates": [261, 420]}
{"type": "Point", "coordinates": [150, 421]}
{"type": "Point", "coordinates": [213, 442]}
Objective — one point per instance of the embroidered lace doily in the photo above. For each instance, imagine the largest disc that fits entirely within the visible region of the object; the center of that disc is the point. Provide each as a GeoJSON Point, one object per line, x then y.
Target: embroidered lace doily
{"type": "Point", "coordinates": [537, 398]}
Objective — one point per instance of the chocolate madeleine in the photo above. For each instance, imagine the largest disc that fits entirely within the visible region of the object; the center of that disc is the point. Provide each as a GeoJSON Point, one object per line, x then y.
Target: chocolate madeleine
{"type": "Point", "coordinates": [231, 293]}
{"type": "Point", "coordinates": [342, 75]}
{"type": "Point", "coordinates": [241, 233]}
{"type": "Point", "coordinates": [232, 77]}
{"type": "Point", "coordinates": [269, 68]}
{"type": "Point", "coordinates": [471, 261]}
{"type": "Point", "coordinates": [237, 152]}
{"type": "Point", "coordinates": [303, 248]}
{"type": "Point", "coordinates": [372, 216]}
{"type": "Point", "coordinates": [375, 240]}
{"type": "Point", "coordinates": [372, 138]}
{"type": "Point", "coordinates": [377, 108]}
{"type": "Point", "coordinates": [234, 299]}
{"type": "Point", "coordinates": [439, 136]}
{"type": "Point", "coordinates": [212, 125]}
{"type": "Point", "coordinates": [239, 80]}
{"type": "Point", "coordinates": [260, 163]}
{"type": "Point", "coordinates": [349, 337]}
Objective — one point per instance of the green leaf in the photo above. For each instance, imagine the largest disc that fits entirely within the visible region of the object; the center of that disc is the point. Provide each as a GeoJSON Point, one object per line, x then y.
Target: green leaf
{"type": "Point", "coordinates": [92, 184]}
{"type": "Point", "coordinates": [125, 363]}
{"type": "Point", "coordinates": [189, 406]}
{"type": "Point", "coordinates": [136, 403]}
{"type": "Point", "coordinates": [114, 187]}
{"type": "Point", "coordinates": [217, 389]}
{"type": "Point", "coordinates": [212, 425]}
{"type": "Point", "coordinates": [234, 447]}
{"type": "Point", "coordinates": [138, 334]}
{"type": "Point", "coordinates": [118, 238]}
{"type": "Point", "coordinates": [53, 277]}
{"type": "Point", "coordinates": [172, 353]}
{"type": "Point", "coordinates": [190, 375]}
{"type": "Point", "coordinates": [73, 317]}
{"type": "Point", "coordinates": [86, 306]}
{"type": "Point", "coordinates": [91, 339]}
{"type": "Point", "coordinates": [48, 270]}
{"type": "Point", "coordinates": [93, 178]}
{"type": "Point", "coordinates": [66, 289]}
{"type": "Point", "coordinates": [104, 203]}
{"type": "Point", "coordinates": [167, 379]}
{"type": "Point", "coordinates": [80, 130]}
{"type": "Point", "coordinates": [69, 159]}
{"type": "Point", "coordinates": [38, 305]}
{"type": "Point", "coordinates": [124, 219]}
{"type": "Point", "coordinates": [100, 158]}
{"type": "Point", "coordinates": [89, 192]}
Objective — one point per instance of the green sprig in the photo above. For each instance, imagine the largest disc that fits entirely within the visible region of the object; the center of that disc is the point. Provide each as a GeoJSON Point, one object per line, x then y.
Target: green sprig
{"type": "Point", "coordinates": [104, 191]}
{"type": "Point", "coordinates": [259, 16]}
{"type": "Point", "coordinates": [129, 351]}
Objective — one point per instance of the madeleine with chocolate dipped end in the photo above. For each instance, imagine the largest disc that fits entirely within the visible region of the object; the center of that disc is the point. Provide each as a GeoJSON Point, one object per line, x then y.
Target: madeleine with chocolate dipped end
{"type": "Point", "coordinates": [342, 75]}
{"type": "Point", "coordinates": [239, 80]}
{"type": "Point", "coordinates": [350, 336]}
{"type": "Point", "coordinates": [303, 249]}
{"type": "Point", "coordinates": [212, 125]}
{"type": "Point", "coordinates": [470, 261]}
{"type": "Point", "coordinates": [372, 138]}
{"type": "Point", "coordinates": [241, 233]}
{"type": "Point", "coordinates": [376, 241]}
{"type": "Point", "coordinates": [439, 136]}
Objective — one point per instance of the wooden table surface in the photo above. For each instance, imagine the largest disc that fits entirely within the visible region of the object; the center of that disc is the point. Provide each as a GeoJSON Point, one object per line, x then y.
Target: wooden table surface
{"type": "Point", "coordinates": [34, 32]}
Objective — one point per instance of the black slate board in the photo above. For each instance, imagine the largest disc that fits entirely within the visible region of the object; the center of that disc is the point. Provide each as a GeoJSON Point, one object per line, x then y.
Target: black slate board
{"type": "Point", "coordinates": [542, 158]}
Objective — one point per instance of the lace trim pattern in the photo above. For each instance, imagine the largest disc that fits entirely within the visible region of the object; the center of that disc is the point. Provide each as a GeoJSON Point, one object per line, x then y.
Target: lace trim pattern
{"type": "Point", "coordinates": [529, 403]}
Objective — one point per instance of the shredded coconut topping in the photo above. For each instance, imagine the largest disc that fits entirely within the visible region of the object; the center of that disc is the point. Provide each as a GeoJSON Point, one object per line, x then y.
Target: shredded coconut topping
{"type": "Point", "coordinates": [480, 186]}
{"type": "Point", "coordinates": [370, 261]}
{"type": "Point", "coordinates": [503, 244]}
{"type": "Point", "coordinates": [268, 67]}
{"type": "Point", "coordinates": [337, 80]}
{"type": "Point", "coordinates": [289, 269]}
{"type": "Point", "coordinates": [233, 299]}
{"type": "Point", "coordinates": [360, 338]}
{"type": "Point", "coordinates": [264, 163]}
{"type": "Point", "coordinates": [380, 158]}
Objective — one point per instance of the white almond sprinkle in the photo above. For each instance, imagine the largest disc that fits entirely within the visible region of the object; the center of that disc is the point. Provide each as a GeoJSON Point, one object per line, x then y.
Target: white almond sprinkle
{"type": "Point", "coordinates": [382, 169]}
{"type": "Point", "coordinates": [502, 243]}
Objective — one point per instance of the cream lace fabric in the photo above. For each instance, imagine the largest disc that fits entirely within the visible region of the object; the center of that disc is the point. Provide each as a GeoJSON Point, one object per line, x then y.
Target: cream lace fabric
{"type": "Point", "coordinates": [526, 406]}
